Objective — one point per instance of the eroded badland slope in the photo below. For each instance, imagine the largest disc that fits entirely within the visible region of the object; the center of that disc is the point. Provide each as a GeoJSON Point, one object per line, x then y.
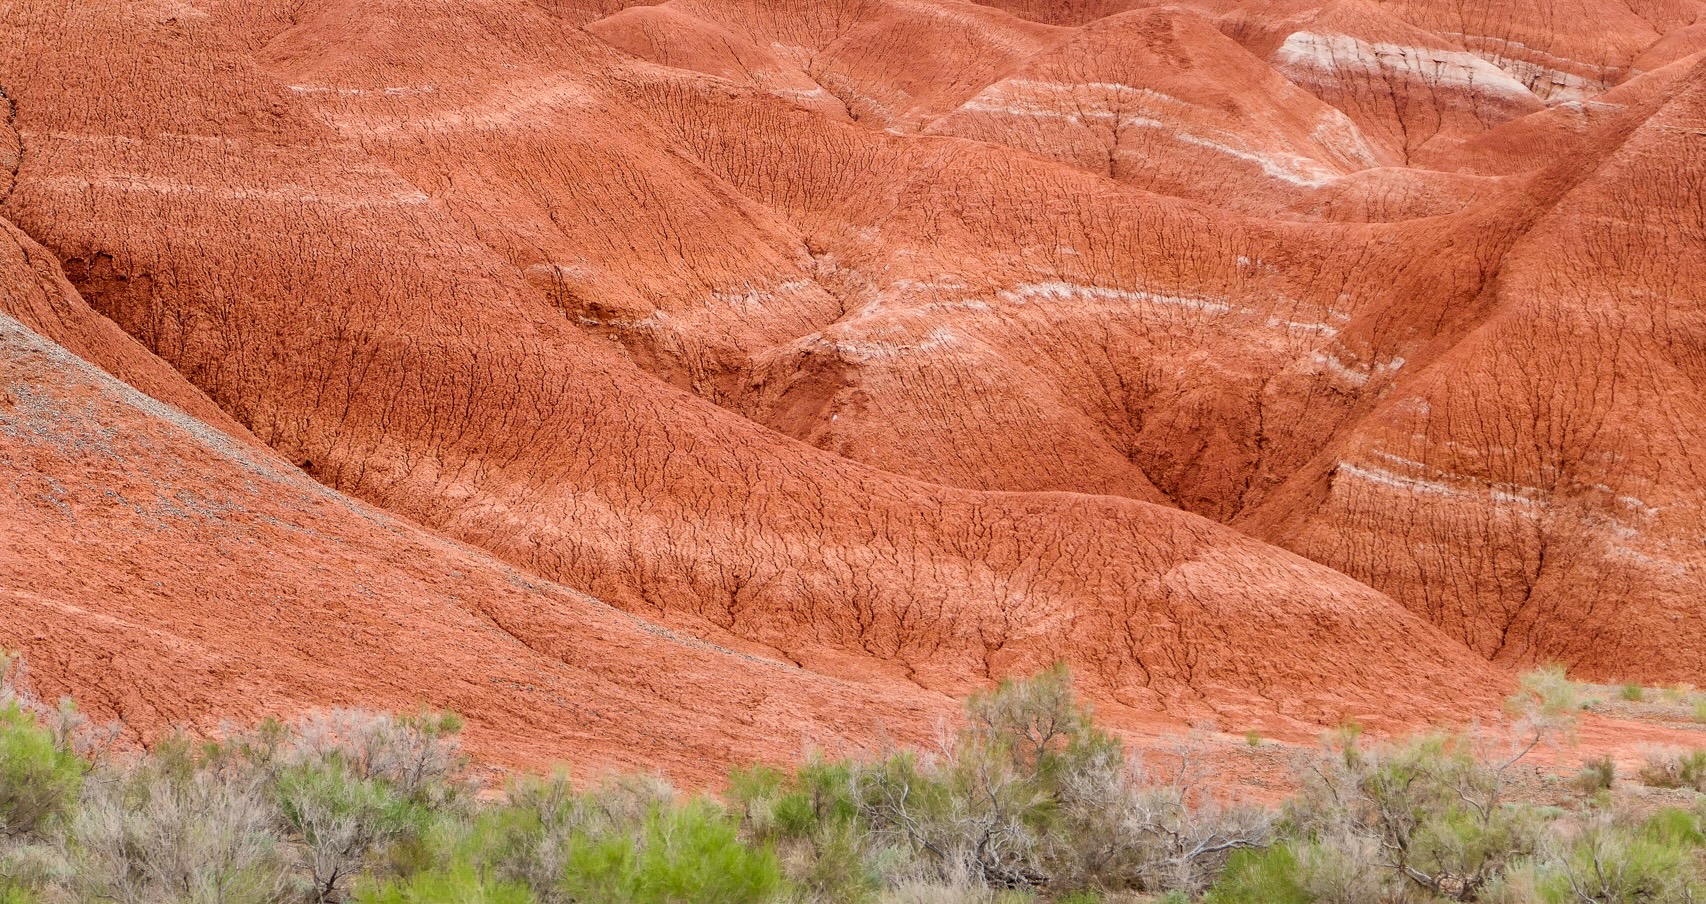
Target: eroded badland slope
{"type": "Point", "coordinates": [680, 383]}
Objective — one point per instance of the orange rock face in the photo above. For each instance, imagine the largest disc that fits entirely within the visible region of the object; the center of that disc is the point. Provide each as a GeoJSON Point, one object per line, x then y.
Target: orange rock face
{"type": "Point", "coordinates": [677, 384]}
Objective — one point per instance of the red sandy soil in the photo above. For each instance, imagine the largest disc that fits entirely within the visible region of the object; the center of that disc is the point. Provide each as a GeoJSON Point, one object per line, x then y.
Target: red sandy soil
{"type": "Point", "coordinates": [673, 384]}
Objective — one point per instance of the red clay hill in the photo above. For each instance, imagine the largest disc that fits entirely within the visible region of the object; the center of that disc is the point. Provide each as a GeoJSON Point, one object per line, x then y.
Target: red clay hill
{"type": "Point", "coordinates": [674, 384]}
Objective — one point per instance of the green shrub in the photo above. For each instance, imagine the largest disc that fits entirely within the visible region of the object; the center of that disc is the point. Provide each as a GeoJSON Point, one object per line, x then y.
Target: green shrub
{"type": "Point", "coordinates": [812, 819]}
{"type": "Point", "coordinates": [1546, 693]}
{"type": "Point", "coordinates": [1672, 769]}
{"type": "Point", "coordinates": [1613, 864]}
{"type": "Point", "coordinates": [821, 796]}
{"type": "Point", "coordinates": [39, 778]}
{"type": "Point", "coordinates": [1634, 693]}
{"type": "Point", "coordinates": [756, 792]}
{"type": "Point", "coordinates": [13, 894]}
{"type": "Point", "coordinates": [343, 820]}
{"type": "Point", "coordinates": [461, 884]}
{"type": "Point", "coordinates": [1031, 796]}
{"type": "Point", "coordinates": [418, 756]}
{"type": "Point", "coordinates": [837, 866]}
{"type": "Point", "coordinates": [1596, 775]}
{"type": "Point", "coordinates": [1347, 868]}
{"type": "Point", "coordinates": [1033, 721]}
{"type": "Point", "coordinates": [1431, 809]}
{"type": "Point", "coordinates": [1671, 826]}
{"type": "Point", "coordinates": [685, 855]}
{"type": "Point", "coordinates": [813, 799]}
{"type": "Point", "coordinates": [1270, 876]}
{"type": "Point", "coordinates": [525, 838]}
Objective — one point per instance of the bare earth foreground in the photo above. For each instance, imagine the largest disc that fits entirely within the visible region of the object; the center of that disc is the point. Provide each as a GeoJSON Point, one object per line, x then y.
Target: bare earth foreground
{"type": "Point", "coordinates": [670, 385]}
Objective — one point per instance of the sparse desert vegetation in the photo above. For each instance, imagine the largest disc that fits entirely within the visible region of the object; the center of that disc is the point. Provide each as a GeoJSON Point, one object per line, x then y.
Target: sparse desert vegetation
{"type": "Point", "coordinates": [1676, 703]}
{"type": "Point", "coordinates": [1028, 801]}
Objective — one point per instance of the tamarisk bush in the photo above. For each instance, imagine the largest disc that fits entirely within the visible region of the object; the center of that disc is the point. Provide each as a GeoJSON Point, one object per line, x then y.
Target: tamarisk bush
{"type": "Point", "coordinates": [1028, 796]}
